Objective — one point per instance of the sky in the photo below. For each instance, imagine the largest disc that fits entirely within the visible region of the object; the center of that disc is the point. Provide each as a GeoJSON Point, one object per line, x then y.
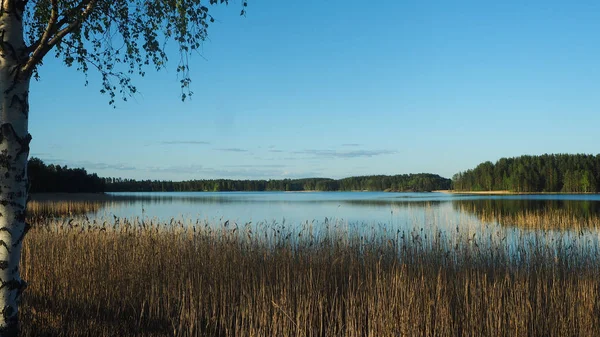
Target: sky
{"type": "Point", "coordinates": [341, 88]}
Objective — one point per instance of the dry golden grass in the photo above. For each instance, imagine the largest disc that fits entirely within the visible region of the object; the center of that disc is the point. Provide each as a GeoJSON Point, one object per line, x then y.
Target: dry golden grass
{"type": "Point", "coordinates": [149, 279]}
{"type": "Point", "coordinates": [56, 208]}
{"type": "Point", "coordinates": [563, 219]}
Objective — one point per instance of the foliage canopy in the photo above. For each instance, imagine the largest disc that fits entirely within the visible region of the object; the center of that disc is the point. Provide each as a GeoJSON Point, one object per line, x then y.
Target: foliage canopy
{"type": "Point", "coordinates": [119, 38]}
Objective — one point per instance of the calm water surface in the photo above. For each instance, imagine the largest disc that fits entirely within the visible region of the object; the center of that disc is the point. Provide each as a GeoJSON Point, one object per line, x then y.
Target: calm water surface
{"type": "Point", "coordinates": [424, 215]}
{"type": "Point", "coordinates": [365, 208]}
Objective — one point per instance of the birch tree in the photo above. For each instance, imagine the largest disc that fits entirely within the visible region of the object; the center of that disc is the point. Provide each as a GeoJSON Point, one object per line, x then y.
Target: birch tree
{"type": "Point", "coordinates": [120, 39]}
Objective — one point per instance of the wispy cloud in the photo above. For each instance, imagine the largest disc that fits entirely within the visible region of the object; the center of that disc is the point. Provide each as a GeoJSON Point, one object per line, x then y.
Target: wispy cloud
{"type": "Point", "coordinates": [351, 145]}
{"type": "Point", "coordinates": [345, 154]}
{"type": "Point", "coordinates": [185, 142]}
{"type": "Point", "coordinates": [275, 151]}
{"type": "Point", "coordinates": [232, 149]}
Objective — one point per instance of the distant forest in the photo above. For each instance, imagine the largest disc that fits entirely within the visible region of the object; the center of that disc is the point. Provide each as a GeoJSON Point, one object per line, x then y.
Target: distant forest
{"type": "Point", "coordinates": [405, 182]}
{"type": "Point", "coordinates": [577, 173]}
{"type": "Point", "coordinates": [55, 178]}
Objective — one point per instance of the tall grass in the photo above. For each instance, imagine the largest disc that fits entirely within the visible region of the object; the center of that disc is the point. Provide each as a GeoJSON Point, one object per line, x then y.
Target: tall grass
{"type": "Point", "coordinates": [59, 208]}
{"type": "Point", "coordinates": [142, 278]}
{"type": "Point", "coordinates": [563, 219]}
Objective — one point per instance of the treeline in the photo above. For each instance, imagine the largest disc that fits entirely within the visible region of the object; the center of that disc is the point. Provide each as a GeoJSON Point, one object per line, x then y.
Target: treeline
{"type": "Point", "coordinates": [578, 173]}
{"type": "Point", "coordinates": [58, 179]}
{"type": "Point", "coordinates": [405, 182]}
{"type": "Point", "coordinates": [55, 178]}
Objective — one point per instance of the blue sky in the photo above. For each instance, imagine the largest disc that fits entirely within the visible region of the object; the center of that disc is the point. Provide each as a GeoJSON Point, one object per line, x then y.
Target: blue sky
{"type": "Point", "coordinates": [341, 88]}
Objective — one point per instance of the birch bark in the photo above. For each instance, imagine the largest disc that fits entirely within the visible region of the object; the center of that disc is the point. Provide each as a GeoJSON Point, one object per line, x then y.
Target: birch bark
{"type": "Point", "coordinates": [14, 151]}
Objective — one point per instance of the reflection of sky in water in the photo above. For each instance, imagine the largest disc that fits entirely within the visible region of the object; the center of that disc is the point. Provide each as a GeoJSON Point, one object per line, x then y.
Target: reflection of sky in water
{"type": "Point", "coordinates": [369, 213]}
{"type": "Point", "coordinates": [241, 207]}
{"type": "Point", "coordinates": [364, 207]}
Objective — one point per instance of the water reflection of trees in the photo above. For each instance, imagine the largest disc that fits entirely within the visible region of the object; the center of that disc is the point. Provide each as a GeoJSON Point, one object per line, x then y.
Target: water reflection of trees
{"type": "Point", "coordinates": [525, 213]}
{"type": "Point", "coordinates": [94, 204]}
{"type": "Point", "coordinates": [528, 213]}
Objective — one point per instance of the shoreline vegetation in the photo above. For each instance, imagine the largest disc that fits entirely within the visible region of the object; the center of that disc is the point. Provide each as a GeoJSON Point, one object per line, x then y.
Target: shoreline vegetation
{"type": "Point", "coordinates": [143, 278]}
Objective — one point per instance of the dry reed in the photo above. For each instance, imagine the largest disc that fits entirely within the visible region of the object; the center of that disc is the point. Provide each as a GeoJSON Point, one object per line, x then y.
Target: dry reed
{"type": "Point", "coordinates": [142, 278]}
{"type": "Point", "coordinates": [563, 219]}
{"type": "Point", "coordinates": [60, 208]}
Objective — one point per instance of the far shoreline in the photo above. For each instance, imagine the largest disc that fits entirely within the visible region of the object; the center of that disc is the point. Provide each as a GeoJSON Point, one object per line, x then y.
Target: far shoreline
{"type": "Point", "coordinates": [106, 196]}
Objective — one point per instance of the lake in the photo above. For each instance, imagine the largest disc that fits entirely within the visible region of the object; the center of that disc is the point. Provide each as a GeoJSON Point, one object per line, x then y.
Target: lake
{"type": "Point", "coordinates": [352, 207]}
{"type": "Point", "coordinates": [518, 219]}
{"type": "Point", "coordinates": [394, 210]}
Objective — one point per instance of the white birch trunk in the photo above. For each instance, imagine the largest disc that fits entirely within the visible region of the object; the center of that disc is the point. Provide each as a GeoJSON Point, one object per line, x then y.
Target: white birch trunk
{"type": "Point", "coordinates": [14, 150]}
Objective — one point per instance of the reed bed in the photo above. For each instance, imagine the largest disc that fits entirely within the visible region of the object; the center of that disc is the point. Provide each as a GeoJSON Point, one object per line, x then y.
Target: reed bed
{"type": "Point", "coordinates": [143, 278]}
{"type": "Point", "coordinates": [61, 208]}
{"type": "Point", "coordinates": [562, 219]}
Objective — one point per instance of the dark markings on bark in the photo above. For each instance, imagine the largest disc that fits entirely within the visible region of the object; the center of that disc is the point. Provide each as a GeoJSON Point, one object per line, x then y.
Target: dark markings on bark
{"type": "Point", "coordinates": [23, 101]}
{"type": "Point", "coordinates": [22, 236]}
{"type": "Point", "coordinates": [7, 130]}
{"type": "Point", "coordinates": [3, 244]}
{"type": "Point", "coordinates": [13, 285]}
{"type": "Point", "coordinates": [8, 312]}
{"type": "Point", "coordinates": [4, 229]}
{"type": "Point", "coordinates": [6, 48]}
{"type": "Point", "coordinates": [12, 322]}
{"type": "Point", "coordinates": [6, 175]}
{"type": "Point", "coordinates": [5, 159]}
{"type": "Point", "coordinates": [3, 266]}
{"type": "Point", "coordinates": [6, 202]}
{"type": "Point", "coordinates": [15, 73]}
{"type": "Point", "coordinates": [20, 215]}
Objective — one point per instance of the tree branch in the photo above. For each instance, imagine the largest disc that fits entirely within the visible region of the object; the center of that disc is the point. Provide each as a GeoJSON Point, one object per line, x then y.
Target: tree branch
{"type": "Point", "coordinates": [73, 25]}
{"type": "Point", "coordinates": [52, 35]}
{"type": "Point", "coordinates": [65, 19]}
{"type": "Point", "coordinates": [42, 48]}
